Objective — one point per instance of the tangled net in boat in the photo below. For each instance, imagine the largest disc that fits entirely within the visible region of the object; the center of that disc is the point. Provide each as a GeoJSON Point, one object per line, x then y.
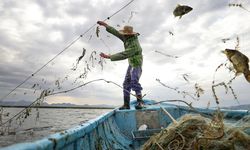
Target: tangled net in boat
{"type": "Point", "coordinates": [194, 132]}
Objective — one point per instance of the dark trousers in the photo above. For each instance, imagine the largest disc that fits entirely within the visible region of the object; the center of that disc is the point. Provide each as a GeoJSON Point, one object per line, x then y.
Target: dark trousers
{"type": "Point", "coordinates": [132, 81]}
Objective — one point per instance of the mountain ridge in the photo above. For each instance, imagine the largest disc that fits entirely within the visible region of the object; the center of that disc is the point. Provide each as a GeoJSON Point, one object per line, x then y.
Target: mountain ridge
{"type": "Point", "coordinates": [27, 103]}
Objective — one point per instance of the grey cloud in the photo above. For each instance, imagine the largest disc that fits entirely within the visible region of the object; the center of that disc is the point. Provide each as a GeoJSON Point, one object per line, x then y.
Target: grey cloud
{"type": "Point", "coordinates": [35, 48]}
{"type": "Point", "coordinates": [50, 8]}
{"type": "Point", "coordinates": [7, 42]}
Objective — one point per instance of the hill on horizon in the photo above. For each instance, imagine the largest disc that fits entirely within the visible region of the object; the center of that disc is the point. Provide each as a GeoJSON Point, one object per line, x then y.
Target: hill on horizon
{"type": "Point", "coordinates": [27, 103]}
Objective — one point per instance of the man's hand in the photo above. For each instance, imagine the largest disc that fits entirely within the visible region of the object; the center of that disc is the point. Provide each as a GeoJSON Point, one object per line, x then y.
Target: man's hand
{"type": "Point", "coordinates": [105, 56]}
{"type": "Point", "coordinates": [102, 23]}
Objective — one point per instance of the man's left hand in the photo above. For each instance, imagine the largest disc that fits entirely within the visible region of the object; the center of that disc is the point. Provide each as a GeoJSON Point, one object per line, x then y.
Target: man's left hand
{"type": "Point", "coordinates": [105, 56]}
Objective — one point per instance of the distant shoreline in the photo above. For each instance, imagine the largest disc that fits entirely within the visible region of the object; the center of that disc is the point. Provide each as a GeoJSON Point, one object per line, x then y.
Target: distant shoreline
{"type": "Point", "coordinates": [60, 107]}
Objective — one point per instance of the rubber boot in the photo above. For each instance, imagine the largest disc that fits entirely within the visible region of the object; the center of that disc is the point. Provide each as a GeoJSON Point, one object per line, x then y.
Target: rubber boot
{"type": "Point", "coordinates": [126, 103]}
{"type": "Point", "coordinates": [140, 103]}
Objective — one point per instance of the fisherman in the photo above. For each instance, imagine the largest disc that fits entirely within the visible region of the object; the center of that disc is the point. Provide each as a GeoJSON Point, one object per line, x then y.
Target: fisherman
{"type": "Point", "coordinates": [132, 52]}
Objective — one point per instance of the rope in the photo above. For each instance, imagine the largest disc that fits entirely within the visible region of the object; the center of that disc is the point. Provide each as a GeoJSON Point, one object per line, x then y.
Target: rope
{"type": "Point", "coordinates": [68, 46]}
{"type": "Point", "coordinates": [119, 10]}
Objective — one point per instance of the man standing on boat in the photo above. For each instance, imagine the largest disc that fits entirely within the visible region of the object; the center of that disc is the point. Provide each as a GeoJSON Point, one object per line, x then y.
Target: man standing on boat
{"type": "Point", "coordinates": [132, 52]}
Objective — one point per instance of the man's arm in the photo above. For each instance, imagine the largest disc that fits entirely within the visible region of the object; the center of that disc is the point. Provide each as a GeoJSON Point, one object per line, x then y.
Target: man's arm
{"type": "Point", "coordinates": [130, 52]}
{"type": "Point", "coordinates": [124, 55]}
{"type": "Point", "coordinates": [115, 32]}
{"type": "Point", "coordinates": [111, 30]}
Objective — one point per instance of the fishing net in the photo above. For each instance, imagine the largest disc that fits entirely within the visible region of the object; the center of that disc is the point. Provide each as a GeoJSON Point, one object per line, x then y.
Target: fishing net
{"type": "Point", "coordinates": [195, 132]}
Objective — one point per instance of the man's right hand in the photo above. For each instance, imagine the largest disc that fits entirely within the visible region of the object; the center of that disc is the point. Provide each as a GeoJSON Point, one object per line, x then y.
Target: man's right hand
{"type": "Point", "coordinates": [102, 23]}
{"type": "Point", "coordinates": [105, 56]}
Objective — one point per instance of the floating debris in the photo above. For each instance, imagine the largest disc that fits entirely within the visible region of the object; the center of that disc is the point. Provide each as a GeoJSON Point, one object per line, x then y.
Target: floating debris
{"type": "Point", "coordinates": [181, 10]}
{"type": "Point", "coordinates": [237, 5]}
{"type": "Point", "coordinates": [35, 85]}
{"type": "Point", "coordinates": [83, 54]}
{"type": "Point", "coordinates": [171, 33]}
{"type": "Point", "coordinates": [185, 77]}
{"type": "Point", "coordinates": [79, 59]}
{"type": "Point", "coordinates": [84, 75]}
{"type": "Point", "coordinates": [92, 58]}
{"type": "Point", "coordinates": [226, 85]}
{"type": "Point", "coordinates": [87, 66]}
{"type": "Point", "coordinates": [225, 40]}
{"type": "Point", "coordinates": [199, 90]}
{"type": "Point", "coordinates": [234, 95]}
{"type": "Point", "coordinates": [101, 62]}
{"type": "Point", "coordinates": [234, 5]}
{"type": "Point", "coordinates": [239, 61]}
{"type": "Point", "coordinates": [219, 67]}
{"type": "Point", "coordinates": [237, 47]}
{"type": "Point", "coordinates": [184, 93]}
{"type": "Point", "coordinates": [97, 31]}
{"type": "Point", "coordinates": [213, 90]}
{"type": "Point", "coordinates": [131, 15]}
{"type": "Point", "coordinates": [57, 83]}
{"type": "Point", "coordinates": [90, 37]}
{"type": "Point", "coordinates": [166, 54]}
{"type": "Point", "coordinates": [65, 78]}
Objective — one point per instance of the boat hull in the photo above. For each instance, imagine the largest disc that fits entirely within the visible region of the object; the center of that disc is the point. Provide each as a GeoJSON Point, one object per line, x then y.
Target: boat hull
{"type": "Point", "coordinates": [118, 129]}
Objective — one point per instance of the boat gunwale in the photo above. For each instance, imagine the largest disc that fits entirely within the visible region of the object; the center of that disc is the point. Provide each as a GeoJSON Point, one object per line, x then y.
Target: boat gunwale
{"type": "Point", "coordinates": [61, 139]}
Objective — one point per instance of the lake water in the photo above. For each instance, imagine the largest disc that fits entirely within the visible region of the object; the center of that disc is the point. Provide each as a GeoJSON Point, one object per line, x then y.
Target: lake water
{"type": "Point", "coordinates": [50, 121]}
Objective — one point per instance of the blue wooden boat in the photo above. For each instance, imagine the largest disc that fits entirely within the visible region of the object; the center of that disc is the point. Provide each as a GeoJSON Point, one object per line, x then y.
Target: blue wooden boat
{"type": "Point", "coordinates": [118, 129]}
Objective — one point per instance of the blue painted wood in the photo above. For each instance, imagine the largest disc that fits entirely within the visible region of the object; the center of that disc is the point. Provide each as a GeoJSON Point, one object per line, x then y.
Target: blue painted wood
{"type": "Point", "coordinates": [113, 130]}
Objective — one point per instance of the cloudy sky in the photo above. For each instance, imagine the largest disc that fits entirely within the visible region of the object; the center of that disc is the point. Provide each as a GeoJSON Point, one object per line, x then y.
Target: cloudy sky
{"type": "Point", "coordinates": [34, 31]}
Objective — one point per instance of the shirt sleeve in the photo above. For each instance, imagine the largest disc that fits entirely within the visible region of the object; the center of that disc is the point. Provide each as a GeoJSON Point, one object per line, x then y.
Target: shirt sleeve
{"type": "Point", "coordinates": [124, 55]}
{"type": "Point", "coordinates": [114, 32]}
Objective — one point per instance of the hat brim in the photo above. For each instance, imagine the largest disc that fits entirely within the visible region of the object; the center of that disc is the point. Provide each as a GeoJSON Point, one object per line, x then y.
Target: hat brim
{"type": "Point", "coordinates": [126, 33]}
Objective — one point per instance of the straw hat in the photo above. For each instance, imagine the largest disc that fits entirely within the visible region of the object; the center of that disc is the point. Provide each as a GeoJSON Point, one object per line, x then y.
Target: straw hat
{"type": "Point", "coordinates": [127, 30]}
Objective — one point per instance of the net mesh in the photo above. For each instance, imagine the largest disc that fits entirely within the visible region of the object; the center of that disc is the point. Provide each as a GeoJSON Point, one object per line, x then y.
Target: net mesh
{"type": "Point", "coordinates": [195, 132]}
